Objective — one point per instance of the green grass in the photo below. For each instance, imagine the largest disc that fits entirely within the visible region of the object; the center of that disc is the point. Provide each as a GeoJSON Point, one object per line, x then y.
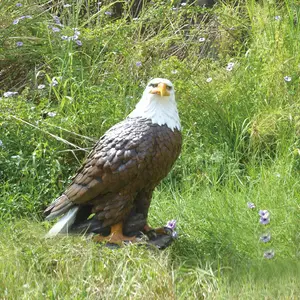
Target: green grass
{"type": "Point", "coordinates": [241, 144]}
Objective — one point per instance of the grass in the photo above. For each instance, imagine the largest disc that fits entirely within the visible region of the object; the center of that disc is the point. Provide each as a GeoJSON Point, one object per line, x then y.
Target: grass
{"type": "Point", "coordinates": [241, 144]}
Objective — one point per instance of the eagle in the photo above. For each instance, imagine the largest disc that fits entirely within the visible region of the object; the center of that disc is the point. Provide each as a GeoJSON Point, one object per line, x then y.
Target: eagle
{"type": "Point", "coordinates": [121, 172]}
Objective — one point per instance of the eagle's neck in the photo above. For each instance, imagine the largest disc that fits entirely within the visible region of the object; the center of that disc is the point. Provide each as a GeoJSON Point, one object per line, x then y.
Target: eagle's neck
{"type": "Point", "coordinates": [160, 111]}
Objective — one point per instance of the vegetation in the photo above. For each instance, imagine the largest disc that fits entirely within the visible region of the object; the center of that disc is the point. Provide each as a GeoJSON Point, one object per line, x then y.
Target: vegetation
{"type": "Point", "coordinates": [77, 69]}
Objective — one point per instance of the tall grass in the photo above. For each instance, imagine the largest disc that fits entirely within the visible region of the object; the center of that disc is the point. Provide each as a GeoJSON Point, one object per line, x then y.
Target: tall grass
{"type": "Point", "coordinates": [236, 72]}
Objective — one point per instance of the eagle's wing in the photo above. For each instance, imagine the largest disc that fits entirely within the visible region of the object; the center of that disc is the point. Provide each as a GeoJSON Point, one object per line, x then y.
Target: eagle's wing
{"type": "Point", "coordinates": [116, 160]}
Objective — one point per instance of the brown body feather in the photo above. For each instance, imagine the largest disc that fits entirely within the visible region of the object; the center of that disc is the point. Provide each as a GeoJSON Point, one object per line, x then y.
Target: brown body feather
{"type": "Point", "coordinates": [121, 171]}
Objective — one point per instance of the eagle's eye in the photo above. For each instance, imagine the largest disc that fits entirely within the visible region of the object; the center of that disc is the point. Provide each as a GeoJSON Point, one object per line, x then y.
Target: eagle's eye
{"type": "Point", "coordinates": [153, 85]}
{"type": "Point", "coordinates": [169, 88]}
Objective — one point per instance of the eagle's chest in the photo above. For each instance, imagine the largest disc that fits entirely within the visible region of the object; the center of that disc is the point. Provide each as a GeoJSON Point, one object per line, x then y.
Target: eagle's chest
{"type": "Point", "coordinates": [159, 148]}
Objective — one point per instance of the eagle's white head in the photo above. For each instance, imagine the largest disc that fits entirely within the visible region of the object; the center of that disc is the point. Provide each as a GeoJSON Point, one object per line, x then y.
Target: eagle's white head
{"type": "Point", "coordinates": [158, 104]}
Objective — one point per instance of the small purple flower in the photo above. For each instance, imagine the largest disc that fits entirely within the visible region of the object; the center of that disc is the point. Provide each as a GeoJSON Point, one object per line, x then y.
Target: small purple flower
{"type": "Point", "coordinates": [264, 213]}
{"type": "Point", "coordinates": [18, 4]}
{"type": "Point", "coordinates": [287, 78]}
{"type": "Point", "coordinates": [230, 65]}
{"type": "Point", "coordinates": [265, 238]}
{"type": "Point", "coordinates": [202, 39]}
{"type": "Point", "coordinates": [174, 71]}
{"type": "Point", "coordinates": [1, 143]}
{"type": "Point", "coordinates": [27, 17]}
{"type": "Point", "coordinates": [9, 94]}
{"type": "Point", "coordinates": [64, 37]}
{"type": "Point", "coordinates": [277, 18]}
{"type": "Point", "coordinates": [78, 42]}
{"type": "Point", "coordinates": [19, 44]}
{"type": "Point", "coordinates": [16, 21]}
{"type": "Point", "coordinates": [269, 254]}
{"type": "Point", "coordinates": [76, 31]}
{"type": "Point", "coordinates": [108, 13]}
{"type": "Point", "coordinates": [264, 221]}
{"type": "Point", "coordinates": [251, 205]}
{"type": "Point", "coordinates": [56, 20]}
{"type": "Point", "coordinates": [229, 69]}
{"type": "Point", "coordinates": [138, 64]}
{"type": "Point", "coordinates": [171, 224]}
{"type": "Point", "coordinates": [209, 79]}
{"type": "Point", "coordinates": [55, 29]}
{"type": "Point", "coordinates": [174, 235]}
{"type": "Point", "coordinates": [41, 86]}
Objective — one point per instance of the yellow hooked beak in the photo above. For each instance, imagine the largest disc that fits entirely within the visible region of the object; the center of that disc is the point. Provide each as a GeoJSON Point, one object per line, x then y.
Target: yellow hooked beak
{"type": "Point", "coordinates": [161, 90]}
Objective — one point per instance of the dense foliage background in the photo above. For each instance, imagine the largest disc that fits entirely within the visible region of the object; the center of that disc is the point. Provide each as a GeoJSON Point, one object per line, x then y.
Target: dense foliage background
{"type": "Point", "coordinates": [70, 70]}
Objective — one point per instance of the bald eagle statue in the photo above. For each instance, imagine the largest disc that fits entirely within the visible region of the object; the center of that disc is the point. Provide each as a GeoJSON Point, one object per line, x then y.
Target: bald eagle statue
{"type": "Point", "coordinates": [124, 167]}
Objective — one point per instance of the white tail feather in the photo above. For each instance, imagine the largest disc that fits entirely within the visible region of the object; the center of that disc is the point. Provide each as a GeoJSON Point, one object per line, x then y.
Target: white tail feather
{"type": "Point", "coordinates": [63, 225]}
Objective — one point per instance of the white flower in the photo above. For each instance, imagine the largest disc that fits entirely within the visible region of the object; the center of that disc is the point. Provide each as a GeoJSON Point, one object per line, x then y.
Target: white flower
{"type": "Point", "coordinates": [287, 78]}
{"type": "Point", "coordinates": [174, 71]}
{"type": "Point", "coordinates": [67, 5]}
{"type": "Point", "coordinates": [209, 79]}
{"type": "Point", "coordinates": [41, 86]}
{"type": "Point", "coordinates": [202, 39]}
{"type": "Point", "coordinates": [9, 94]}
{"type": "Point", "coordinates": [15, 157]}
{"type": "Point", "coordinates": [183, 4]}
{"type": "Point", "coordinates": [51, 114]}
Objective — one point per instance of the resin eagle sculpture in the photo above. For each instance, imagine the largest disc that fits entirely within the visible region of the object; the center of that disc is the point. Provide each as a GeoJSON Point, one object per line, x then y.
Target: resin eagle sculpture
{"type": "Point", "coordinates": [124, 167]}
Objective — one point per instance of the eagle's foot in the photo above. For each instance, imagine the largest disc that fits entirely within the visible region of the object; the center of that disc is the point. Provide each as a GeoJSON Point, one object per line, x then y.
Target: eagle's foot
{"type": "Point", "coordinates": [154, 232]}
{"type": "Point", "coordinates": [116, 236]}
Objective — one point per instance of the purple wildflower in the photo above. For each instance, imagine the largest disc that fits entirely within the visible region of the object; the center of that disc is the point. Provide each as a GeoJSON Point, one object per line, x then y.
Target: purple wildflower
{"type": "Point", "coordinates": [174, 71]}
{"type": "Point", "coordinates": [251, 205]}
{"type": "Point", "coordinates": [269, 254]}
{"type": "Point", "coordinates": [108, 13]}
{"type": "Point", "coordinates": [19, 44]}
{"type": "Point", "coordinates": [56, 20]}
{"type": "Point", "coordinates": [18, 4]}
{"type": "Point", "coordinates": [265, 238]}
{"type": "Point", "coordinates": [16, 21]}
{"type": "Point", "coordinates": [138, 64]}
{"type": "Point", "coordinates": [277, 18]}
{"type": "Point", "coordinates": [202, 39]}
{"type": "Point", "coordinates": [1, 143]}
{"type": "Point", "coordinates": [171, 224]}
{"type": "Point", "coordinates": [78, 42]}
{"type": "Point", "coordinates": [64, 37]}
{"type": "Point", "coordinates": [209, 79]}
{"type": "Point", "coordinates": [55, 29]}
{"type": "Point", "coordinates": [264, 221]}
{"type": "Point", "coordinates": [264, 213]}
